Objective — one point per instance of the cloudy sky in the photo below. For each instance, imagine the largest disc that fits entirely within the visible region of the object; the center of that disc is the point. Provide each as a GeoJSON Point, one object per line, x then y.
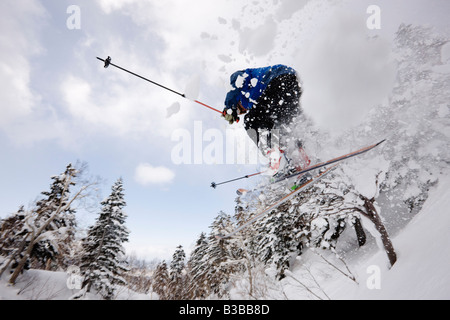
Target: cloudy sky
{"type": "Point", "coordinates": [59, 105]}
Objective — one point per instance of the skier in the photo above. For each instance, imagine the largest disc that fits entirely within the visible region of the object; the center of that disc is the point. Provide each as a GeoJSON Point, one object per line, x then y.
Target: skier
{"type": "Point", "coordinates": [269, 97]}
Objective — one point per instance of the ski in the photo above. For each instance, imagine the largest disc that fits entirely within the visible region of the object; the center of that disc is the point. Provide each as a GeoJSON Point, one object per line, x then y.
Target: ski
{"type": "Point", "coordinates": [287, 197]}
{"type": "Point", "coordinates": [241, 192]}
{"type": "Point", "coordinates": [326, 163]}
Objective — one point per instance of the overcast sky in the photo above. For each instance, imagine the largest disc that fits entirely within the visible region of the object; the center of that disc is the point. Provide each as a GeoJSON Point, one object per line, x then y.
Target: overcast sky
{"type": "Point", "coordinates": [59, 105]}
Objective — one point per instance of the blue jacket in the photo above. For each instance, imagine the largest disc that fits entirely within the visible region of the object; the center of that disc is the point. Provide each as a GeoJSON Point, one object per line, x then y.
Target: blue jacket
{"type": "Point", "coordinates": [249, 84]}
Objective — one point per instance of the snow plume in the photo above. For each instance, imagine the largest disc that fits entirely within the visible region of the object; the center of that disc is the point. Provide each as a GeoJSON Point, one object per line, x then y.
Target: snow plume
{"type": "Point", "coordinates": [415, 122]}
{"type": "Point", "coordinates": [345, 74]}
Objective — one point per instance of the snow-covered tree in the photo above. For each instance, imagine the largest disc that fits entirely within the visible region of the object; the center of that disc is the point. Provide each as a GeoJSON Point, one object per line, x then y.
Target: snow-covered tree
{"type": "Point", "coordinates": [314, 218]}
{"type": "Point", "coordinates": [10, 227]}
{"type": "Point", "coordinates": [13, 232]}
{"type": "Point", "coordinates": [333, 205]}
{"type": "Point", "coordinates": [222, 257]}
{"type": "Point", "coordinates": [177, 278]}
{"type": "Point", "coordinates": [197, 269]}
{"type": "Point", "coordinates": [103, 262]}
{"type": "Point", "coordinates": [276, 242]}
{"type": "Point", "coordinates": [58, 230]}
{"type": "Point", "coordinates": [161, 280]}
{"type": "Point", "coordinates": [242, 214]}
{"type": "Point", "coordinates": [61, 229]}
{"type": "Point", "coordinates": [320, 218]}
{"type": "Point", "coordinates": [39, 222]}
{"type": "Point", "coordinates": [245, 246]}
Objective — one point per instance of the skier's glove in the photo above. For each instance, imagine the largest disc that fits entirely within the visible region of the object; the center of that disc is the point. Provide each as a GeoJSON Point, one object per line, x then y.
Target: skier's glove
{"type": "Point", "coordinates": [232, 116]}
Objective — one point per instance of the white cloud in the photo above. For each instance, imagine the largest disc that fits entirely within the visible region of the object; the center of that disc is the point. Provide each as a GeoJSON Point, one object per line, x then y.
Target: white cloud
{"type": "Point", "coordinates": [146, 174]}
{"type": "Point", "coordinates": [27, 115]}
{"type": "Point", "coordinates": [126, 108]}
{"type": "Point", "coordinates": [110, 5]}
{"type": "Point", "coordinates": [181, 28]}
{"type": "Point", "coordinates": [17, 45]}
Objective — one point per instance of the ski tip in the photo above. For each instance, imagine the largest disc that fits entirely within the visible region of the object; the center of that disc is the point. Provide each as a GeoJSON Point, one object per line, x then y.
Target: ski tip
{"type": "Point", "coordinates": [221, 237]}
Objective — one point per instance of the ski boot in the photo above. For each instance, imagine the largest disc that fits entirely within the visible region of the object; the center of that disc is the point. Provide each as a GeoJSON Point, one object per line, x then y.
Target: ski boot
{"type": "Point", "coordinates": [301, 157]}
{"type": "Point", "coordinates": [303, 162]}
{"type": "Point", "coordinates": [278, 163]}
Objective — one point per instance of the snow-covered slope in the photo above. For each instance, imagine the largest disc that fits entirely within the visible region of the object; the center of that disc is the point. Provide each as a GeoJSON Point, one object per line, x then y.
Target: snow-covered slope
{"type": "Point", "coordinates": [49, 285]}
{"type": "Point", "coordinates": [421, 271]}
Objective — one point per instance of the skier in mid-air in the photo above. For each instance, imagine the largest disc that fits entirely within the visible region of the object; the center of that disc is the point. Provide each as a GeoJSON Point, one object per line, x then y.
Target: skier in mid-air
{"type": "Point", "coordinates": [270, 99]}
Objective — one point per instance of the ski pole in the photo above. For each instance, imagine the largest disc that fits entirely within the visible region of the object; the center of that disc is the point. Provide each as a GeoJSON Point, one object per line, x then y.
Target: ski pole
{"type": "Point", "coordinates": [108, 63]}
{"type": "Point", "coordinates": [214, 185]}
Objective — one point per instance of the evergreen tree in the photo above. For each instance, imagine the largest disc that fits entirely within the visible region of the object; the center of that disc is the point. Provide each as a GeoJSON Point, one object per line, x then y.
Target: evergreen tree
{"type": "Point", "coordinates": [103, 262]}
{"type": "Point", "coordinates": [323, 216]}
{"type": "Point", "coordinates": [277, 243]}
{"type": "Point", "coordinates": [161, 280]}
{"type": "Point", "coordinates": [314, 218]}
{"type": "Point", "coordinates": [222, 257]}
{"type": "Point", "coordinates": [13, 238]}
{"type": "Point", "coordinates": [9, 229]}
{"type": "Point", "coordinates": [242, 214]}
{"type": "Point", "coordinates": [177, 290]}
{"type": "Point", "coordinates": [245, 247]}
{"type": "Point", "coordinates": [50, 224]}
{"type": "Point", "coordinates": [59, 234]}
{"type": "Point", "coordinates": [197, 269]}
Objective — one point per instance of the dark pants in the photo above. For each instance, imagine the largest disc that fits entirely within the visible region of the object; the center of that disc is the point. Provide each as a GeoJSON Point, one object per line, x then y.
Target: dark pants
{"type": "Point", "coordinates": [275, 109]}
